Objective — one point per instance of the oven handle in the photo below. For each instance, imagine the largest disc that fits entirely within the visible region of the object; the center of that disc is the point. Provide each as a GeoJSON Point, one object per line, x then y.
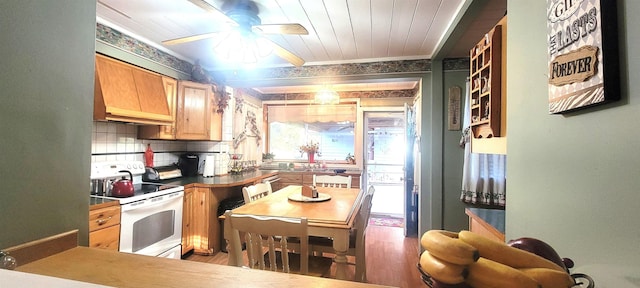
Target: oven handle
{"type": "Point", "coordinates": [271, 180]}
{"type": "Point", "coordinates": [155, 201]}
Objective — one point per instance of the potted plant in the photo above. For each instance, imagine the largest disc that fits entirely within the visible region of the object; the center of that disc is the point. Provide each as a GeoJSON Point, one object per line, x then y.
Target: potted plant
{"type": "Point", "coordinates": [268, 157]}
{"type": "Point", "coordinates": [350, 158]}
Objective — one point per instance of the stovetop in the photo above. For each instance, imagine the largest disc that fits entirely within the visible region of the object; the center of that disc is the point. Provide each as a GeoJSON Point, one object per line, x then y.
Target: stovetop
{"type": "Point", "coordinates": [114, 170]}
{"type": "Point", "coordinates": [143, 191]}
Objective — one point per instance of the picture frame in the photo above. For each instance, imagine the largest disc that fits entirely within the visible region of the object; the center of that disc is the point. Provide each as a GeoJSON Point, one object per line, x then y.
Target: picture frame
{"type": "Point", "coordinates": [583, 54]}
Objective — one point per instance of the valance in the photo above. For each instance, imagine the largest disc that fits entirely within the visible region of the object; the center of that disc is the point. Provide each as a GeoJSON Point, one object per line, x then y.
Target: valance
{"type": "Point", "coordinates": [312, 113]}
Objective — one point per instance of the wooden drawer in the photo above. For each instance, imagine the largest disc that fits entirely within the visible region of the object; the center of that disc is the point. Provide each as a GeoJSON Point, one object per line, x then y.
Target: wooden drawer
{"type": "Point", "coordinates": [105, 217]}
{"type": "Point", "coordinates": [107, 238]}
{"type": "Point", "coordinates": [291, 178]}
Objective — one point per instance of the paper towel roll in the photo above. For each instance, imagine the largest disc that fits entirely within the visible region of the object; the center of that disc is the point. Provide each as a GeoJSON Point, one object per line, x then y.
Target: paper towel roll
{"type": "Point", "coordinates": [209, 166]}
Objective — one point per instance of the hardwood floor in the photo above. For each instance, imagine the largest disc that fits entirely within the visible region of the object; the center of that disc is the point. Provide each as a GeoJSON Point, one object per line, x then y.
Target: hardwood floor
{"type": "Point", "coordinates": [391, 258]}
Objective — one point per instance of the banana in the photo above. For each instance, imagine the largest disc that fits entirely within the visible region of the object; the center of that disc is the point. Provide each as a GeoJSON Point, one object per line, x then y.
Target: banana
{"type": "Point", "coordinates": [446, 246]}
{"type": "Point", "coordinates": [488, 273]}
{"type": "Point", "coordinates": [550, 278]}
{"type": "Point", "coordinates": [505, 254]}
{"type": "Point", "coordinates": [442, 271]}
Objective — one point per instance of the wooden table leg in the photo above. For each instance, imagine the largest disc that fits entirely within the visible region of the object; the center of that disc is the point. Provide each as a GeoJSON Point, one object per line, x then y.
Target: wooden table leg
{"type": "Point", "coordinates": [340, 247]}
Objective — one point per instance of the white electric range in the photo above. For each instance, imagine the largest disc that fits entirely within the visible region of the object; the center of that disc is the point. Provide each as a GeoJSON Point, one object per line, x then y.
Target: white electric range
{"type": "Point", "coordinates": [151, 219]}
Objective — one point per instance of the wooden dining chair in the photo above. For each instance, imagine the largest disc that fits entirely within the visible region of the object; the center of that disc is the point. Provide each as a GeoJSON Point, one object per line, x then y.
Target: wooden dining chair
{"type": "Point", "coordinates": [255, 192]}
{"type": "Point", "coordinates": [336, 181]}
{"type": "Point", "coordinates": [357, 237]}
{"type": "Point", "coordinates": [272, 234]}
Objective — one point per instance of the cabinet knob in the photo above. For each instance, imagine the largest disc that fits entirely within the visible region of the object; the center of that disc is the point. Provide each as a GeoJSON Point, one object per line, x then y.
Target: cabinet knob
{"type": "Point", "coordinates": [102, 221]}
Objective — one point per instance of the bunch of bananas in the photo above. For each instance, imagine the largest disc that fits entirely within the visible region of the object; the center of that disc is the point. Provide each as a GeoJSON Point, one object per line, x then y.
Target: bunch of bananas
{"type": "Point", "coordinates": [470, 258]}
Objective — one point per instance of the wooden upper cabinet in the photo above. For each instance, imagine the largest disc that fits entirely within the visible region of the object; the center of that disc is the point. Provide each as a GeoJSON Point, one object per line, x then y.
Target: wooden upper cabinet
{"type": "Point", "coordinates": [163, 132]}
{"type": "Point", "coordinates": [124, 92]}
{"type": "Point", "coordinates": [197, 118]}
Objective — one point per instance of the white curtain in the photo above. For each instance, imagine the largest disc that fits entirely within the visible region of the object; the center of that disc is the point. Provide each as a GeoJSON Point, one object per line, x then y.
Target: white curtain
{"type": "Point", "coordinates": [247, 124]}
{"type": "Point", "coordinates": [483, 175]}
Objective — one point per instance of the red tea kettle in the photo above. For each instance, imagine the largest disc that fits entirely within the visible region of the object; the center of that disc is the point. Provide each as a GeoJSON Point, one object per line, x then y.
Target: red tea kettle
{"type": "Point", "coordinates": [123, 187]}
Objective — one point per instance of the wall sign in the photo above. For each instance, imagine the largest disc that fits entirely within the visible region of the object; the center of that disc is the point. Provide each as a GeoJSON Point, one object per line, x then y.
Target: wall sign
{"type": "Point", "coordinates": [583, 54]}
{"type": "Point", "coordinates": [453, 108]}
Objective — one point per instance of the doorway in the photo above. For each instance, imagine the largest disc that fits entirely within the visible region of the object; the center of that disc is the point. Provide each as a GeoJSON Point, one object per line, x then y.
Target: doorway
{"type": "Point", "coordinates": [384, 155]}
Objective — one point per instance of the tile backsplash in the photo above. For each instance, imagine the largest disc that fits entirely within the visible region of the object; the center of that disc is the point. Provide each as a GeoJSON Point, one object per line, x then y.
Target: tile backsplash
{"type": "Point", "coordinates": [113, 141]}
{"type": "Point", "coordinates": [116, 141]}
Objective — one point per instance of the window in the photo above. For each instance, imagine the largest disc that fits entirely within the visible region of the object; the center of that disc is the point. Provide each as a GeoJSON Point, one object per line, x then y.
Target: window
{"type": "Point", "coordinates": [330, 126]}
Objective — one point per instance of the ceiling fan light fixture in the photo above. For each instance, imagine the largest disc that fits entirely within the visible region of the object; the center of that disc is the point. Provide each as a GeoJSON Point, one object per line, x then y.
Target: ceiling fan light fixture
{"type": "Point", "coordinates": [242, 15]}
{"type": "Point", "coordinates": [242, 47]}
{"type": "Point", "coordinates": [327, 96]}
{"type": "Point", "coordinates": [263, 47]}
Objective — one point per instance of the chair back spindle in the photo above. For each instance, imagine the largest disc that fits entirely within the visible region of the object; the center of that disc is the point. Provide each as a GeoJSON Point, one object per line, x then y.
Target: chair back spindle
{"type": "Point", "coordinates": [270, 233]}
{"type": "Point", "coordinates": [334, 181]}
{"type": "Point", "coordinates": [255, 192]}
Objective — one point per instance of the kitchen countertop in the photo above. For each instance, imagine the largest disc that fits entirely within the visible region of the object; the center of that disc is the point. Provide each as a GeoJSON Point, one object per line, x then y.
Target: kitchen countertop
{"type": "Point", "coordinates": [228, 180]}
{"type": "Point", "coordinates": [117, 269]}
{"type": "Point", "coordinates": [99, 203]}
{"type": "Point", "coordinates": [493, 217]}
{"type": "Point", "coordinates": [324, 171]}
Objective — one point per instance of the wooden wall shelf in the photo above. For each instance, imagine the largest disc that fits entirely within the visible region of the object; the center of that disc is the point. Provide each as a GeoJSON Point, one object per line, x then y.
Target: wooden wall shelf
{"type": "Point", "coordinates": [486, 61]}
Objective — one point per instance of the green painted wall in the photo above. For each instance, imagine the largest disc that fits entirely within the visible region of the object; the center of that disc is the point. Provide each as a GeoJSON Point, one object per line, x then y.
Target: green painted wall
{"type": "Point", "coordinates": [45, 117]}
{"type": "Point", "coordinates": [574, 180]}
{"type": "Point", "coordinates": [454, 218]}
{"type": "Point", "coordinates": [441, 156]}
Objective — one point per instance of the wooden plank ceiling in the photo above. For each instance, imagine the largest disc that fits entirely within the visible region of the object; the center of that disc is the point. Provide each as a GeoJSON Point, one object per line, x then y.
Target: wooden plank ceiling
{"type": "Point", "coordinates": [340, 31]}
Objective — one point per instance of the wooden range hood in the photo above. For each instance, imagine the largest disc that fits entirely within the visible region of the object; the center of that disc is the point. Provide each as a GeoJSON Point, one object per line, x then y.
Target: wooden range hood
{"type": "Point", "coordinates": [127, 93]}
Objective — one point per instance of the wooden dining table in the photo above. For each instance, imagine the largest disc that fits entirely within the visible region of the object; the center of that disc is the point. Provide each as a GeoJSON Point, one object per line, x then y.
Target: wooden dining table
{"type": "Point", "coordinates": [331, 218]}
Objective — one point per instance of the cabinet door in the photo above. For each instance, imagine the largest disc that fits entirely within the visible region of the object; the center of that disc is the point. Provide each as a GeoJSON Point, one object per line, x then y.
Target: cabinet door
{"type": "Point", "coordinates": [200, 221]}
{"type": "Point", "coordinates": [150, 87]}
{"type": "Point", "coordinates": [290, 178]}
{"type": "Point", "coordinates": [187, 218]}
{"type": "Point", "coordinates": [194, 111]}
{"type": "Point", "coordinates": [355, 181]}
{"type": "Point", "coordinates": [124, 92]}
{"type": "Point", "coordinates": [118, 87]}
{"type": "Point", "coordinates": [163, 132]}
{"type": "Point", "coordinates": [307, 179]}
{"type": "Point", "coordinates": [215, 129]}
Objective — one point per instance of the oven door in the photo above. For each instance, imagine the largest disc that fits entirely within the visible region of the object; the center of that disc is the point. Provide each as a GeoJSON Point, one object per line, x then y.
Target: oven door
{"type": "Point", "coordinates": [152, 226]}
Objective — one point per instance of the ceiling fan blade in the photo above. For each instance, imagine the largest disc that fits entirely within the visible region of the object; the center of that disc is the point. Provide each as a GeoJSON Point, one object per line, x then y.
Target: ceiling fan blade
{"type": "Point", "coordinates": [189, 38]}
{"type": "Point", "coordinates": [286, 54]}
{"type": "Point", "coordinates": [211, 9]}
{"type": "Point", "coordinates": [291, 29]}
{"type": "Point", "coordinates": [205, 6]}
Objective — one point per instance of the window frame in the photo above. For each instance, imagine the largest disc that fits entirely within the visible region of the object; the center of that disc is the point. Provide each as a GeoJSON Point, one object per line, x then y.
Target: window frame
{"type": "Point", "coordinates": [358, 139]}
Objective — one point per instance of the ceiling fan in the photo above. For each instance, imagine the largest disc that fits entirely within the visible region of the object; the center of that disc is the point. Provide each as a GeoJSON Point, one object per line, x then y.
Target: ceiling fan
{"type": "Point", "coordinates": [244, 16]}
